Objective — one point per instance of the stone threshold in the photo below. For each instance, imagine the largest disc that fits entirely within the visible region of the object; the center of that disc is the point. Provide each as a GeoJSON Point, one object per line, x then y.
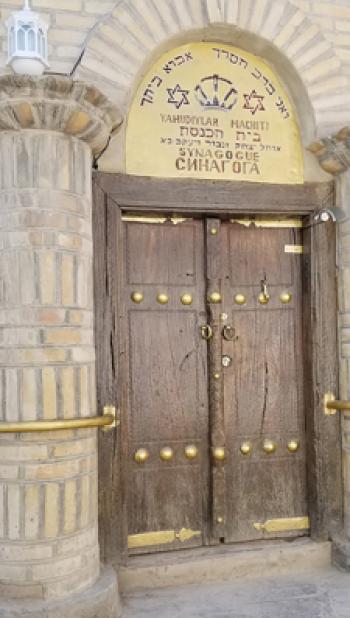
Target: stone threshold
{"type": "Point", "coordinates": [222, 563]}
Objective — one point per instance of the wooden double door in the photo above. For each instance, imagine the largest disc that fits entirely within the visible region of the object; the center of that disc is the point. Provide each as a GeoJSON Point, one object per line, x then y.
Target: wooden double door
{"type": "Point", "coordinates": [213, 409]}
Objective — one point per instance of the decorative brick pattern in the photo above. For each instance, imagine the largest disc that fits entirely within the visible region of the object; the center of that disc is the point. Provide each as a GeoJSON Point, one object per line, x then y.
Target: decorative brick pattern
{"type": "Point", "coordinates": [48, 481]}
{"type": "Point", "coordinates": [310, 34]}
{"type": "Point", "coordinates": [117, 37]}
{"type": "Point", "coordinates": [49, 278]}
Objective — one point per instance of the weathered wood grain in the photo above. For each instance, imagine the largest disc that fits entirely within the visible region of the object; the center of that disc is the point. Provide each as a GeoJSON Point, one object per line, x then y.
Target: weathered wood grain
{"type": "Point", "coordinates": [263, 388]}
{"type": "Point", "coordinates": [213, 197]}
{"type": "Point", "coordinates": [109, 374]}
{"type": "Point", "coordinates": [217, 427]}
{"type": "Point", "coordinates": [166, 375]}
{"type": "Point", "coordinates": [321, 368]}
{"type": "Point", "coordinates": [121, 498]}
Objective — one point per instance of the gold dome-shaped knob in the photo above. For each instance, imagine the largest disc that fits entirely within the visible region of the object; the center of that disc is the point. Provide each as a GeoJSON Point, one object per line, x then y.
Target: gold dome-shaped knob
{"type": "Point", "coordinates": [215, 297]}
{"type": "Point", "coordinates": [219, 453]}
{"type": "Point", "coordinates": [191, 451]}
{"type": "Point", "coordinates": [141, 455]}
{"type": "Point", "coordinates": [263, 298]}
{"type": "Point", "coordinates": [162, 299]}
{"type": "Point", "coordinates": [187, 299]}
{"type": "Point", "coordinates": [166, 453]}
{"type": "Point", "coordinates": [285, 298]}
{"type": "Point", "coordinates": [293, 446]}
{"type": "Point", "coordinates": [240, 299]}
{"type": "Point", "coordinates": [269, 446]}
{"type": "Point", "coordinates": [246, 448]}
{"type": "Point", "coordinates": [137, 297]}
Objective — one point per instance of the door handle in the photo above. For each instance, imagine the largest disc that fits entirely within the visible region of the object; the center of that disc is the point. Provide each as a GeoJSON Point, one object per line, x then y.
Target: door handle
{"type": "Point", "coordinates": [206, 332]}
{"type": "Point", "coordinates": [264, 295]}
{"type": "Point", "coordinates": [229, 333]}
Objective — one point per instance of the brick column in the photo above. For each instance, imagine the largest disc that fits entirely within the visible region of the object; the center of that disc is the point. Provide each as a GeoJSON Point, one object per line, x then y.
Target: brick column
{"type": "Point", "coordinates": [49, 554]}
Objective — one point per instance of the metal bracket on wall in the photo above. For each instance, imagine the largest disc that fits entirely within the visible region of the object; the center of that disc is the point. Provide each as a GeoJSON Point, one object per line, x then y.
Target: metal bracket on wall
{"type": "Point", "coordinates": [332, 405]}
{"type": "Point", "coordinates": [111, 411]}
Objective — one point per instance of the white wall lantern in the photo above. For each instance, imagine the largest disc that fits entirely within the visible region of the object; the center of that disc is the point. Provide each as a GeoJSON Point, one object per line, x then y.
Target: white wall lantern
{"type": "Point", "coordinates": [27, 42]}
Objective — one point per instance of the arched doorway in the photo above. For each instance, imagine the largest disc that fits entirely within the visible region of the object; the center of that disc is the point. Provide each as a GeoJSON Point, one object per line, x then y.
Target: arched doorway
{"type": "Point", "coordinates": [210, 316]}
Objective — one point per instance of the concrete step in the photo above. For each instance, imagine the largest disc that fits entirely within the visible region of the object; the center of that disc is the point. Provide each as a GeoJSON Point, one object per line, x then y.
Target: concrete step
{"type": "Point", "coordinates": [222, 564]}
{"type": "Point", "coordinates": [322, 592]}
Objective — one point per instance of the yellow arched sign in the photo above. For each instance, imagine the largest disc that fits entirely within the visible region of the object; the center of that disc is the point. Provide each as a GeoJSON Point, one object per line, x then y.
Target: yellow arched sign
{"type": "Point", "coordinates": [213, 111]}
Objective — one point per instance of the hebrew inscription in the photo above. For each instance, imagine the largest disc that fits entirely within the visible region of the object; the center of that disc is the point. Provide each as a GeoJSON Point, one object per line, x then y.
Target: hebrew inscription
{"type": "Point", "coordinates": [216, 112]}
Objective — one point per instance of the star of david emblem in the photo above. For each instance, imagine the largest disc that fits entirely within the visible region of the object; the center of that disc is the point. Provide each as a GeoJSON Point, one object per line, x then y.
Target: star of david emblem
{"type": "Point", "coordinates": [178, 96]}
{"type": "Point", "coordinates": [254, 102]}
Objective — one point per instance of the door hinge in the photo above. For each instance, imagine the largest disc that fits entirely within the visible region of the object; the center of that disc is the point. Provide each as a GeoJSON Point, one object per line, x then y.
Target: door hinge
{"type": "Point", "coordinates": [287, 524]}
{"type": "Point", "coordinates": [162, 537]}
{"type": "Point", "coordinates": [154, 219]}
{"type": "Point", "coordinates": [268, 223]}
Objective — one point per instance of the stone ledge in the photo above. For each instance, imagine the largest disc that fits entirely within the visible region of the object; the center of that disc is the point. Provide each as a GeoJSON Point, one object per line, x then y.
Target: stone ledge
{"type": "Point", "coordinates": [222, 563]}
{"type": "Point", "coordinates": [57, 104]}
{"type": "Point", "coordinates": [99, 601]}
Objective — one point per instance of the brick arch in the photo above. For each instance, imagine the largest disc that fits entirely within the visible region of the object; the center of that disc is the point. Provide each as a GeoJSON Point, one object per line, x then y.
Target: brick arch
{"type": "Point", "coordinates": [124, 45]}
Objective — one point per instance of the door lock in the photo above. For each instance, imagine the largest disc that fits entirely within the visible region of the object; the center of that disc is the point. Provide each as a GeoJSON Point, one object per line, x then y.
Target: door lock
{"type": "Point", "coordinates": [226, 361]}
{"type": "Point", "coordinates": [206, 332]}
{"type": "Point", "coordinates": [229, 333]}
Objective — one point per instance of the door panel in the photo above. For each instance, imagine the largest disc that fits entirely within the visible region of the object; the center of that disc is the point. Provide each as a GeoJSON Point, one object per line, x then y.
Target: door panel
{"type": "Point", "coordinates": [147, 242]}
{"type": "Point", "coordinates": [168, 403]}
{"type": "Point", "coordinates": [263, 385]}
{"type": "Point", "coordinates": [232, 485]}
{"type": "Point", "coordinates": [164, 387]}
{"type": "Point", "coordinates": [246, 261]}
{"type": "Point", "coordinates": [149, 197]}
{"type": "Point", "coordinates": [170, 500]}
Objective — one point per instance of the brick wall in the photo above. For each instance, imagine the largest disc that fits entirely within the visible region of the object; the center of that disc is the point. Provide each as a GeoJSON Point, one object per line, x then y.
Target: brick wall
{"type": "Point", "coordinates": [120, 36]}
{"type": "Point", "coordinates": [48, 512]}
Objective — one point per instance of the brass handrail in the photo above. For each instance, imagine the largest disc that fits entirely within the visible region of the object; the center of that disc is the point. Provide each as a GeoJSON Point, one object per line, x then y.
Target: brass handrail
{"type": "Point", "coordinates": [332, 405]}
{"type": "Point", "coordinates": [107, 421]}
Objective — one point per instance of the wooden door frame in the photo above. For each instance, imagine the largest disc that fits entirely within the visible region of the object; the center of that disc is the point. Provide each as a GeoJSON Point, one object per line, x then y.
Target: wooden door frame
{"type": "Point", "coordinates": [113, 193]}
